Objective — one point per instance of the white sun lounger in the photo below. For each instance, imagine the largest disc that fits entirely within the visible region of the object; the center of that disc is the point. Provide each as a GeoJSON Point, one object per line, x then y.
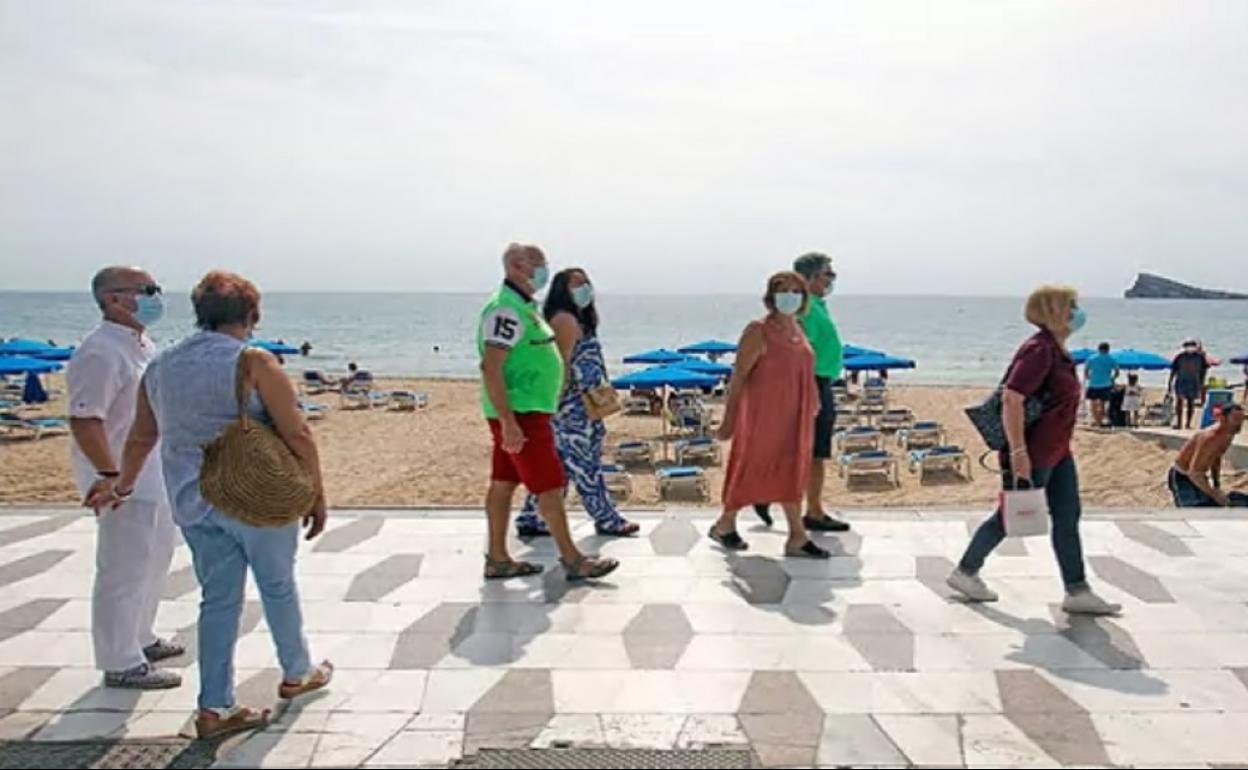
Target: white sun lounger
{"type": "Point", "coordinates": [697, 450]}
{"type": "Point", "coordinates": [896, 418]}
{"type": "Point", "coordinates": [921, 435]}
{"type": "Point", "coordinates": [313, 411]}
{"type": "Point", "coordinates": [688, 480]}
{"type": "Point", "coordinates": [941, 459]}
{"type": "Point", "coordinates": [635, 405]}
{"type": "Point", "coordinates": [408, 400]}
{"type": "Point", "coordinates": [871, 463]}
{"type": "Point", "coordinates": [316, 382]}
{"type": "Point", "coordinates": [619, 482]}
{"type": "Point", "coordinates": [859, 439]}
{"type": "Point", "coordinates": [634, 453]}
{"type": "Point", "coordinates": [34, 428]}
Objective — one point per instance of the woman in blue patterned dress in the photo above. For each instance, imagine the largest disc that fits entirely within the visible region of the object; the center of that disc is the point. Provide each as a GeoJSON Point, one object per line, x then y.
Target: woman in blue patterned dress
{"type": "Point", "coordinates": [571, 312]}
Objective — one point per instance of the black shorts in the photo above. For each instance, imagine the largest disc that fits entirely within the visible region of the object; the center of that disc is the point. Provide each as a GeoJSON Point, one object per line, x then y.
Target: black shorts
{"type": "Point", "coordinates": [1100, 394]}
{"type": "Point", "coordinates": [825, 421]}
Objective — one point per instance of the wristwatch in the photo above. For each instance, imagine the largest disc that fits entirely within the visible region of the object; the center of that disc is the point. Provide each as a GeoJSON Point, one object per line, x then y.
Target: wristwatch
{"type": "Point", "coordinates": [108, 474]}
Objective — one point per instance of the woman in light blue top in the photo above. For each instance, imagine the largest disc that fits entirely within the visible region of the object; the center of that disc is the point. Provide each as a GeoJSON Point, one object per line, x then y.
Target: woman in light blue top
{"type": "Point", "coordinates": [188, 398]}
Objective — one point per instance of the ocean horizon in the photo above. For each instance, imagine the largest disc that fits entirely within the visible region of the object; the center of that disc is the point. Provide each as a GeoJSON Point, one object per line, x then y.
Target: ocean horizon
{"type": "Point", "coordinates": [955, 340]}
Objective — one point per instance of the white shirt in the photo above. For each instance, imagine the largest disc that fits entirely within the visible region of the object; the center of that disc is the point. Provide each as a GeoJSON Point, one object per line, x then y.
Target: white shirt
{"type": "Point", "coordinates": [104, 378]}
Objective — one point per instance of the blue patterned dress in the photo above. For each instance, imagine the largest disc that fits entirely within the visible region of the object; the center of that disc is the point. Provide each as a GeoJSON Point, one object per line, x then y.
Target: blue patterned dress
{"type": "Point", "coordinates": [580, 441]}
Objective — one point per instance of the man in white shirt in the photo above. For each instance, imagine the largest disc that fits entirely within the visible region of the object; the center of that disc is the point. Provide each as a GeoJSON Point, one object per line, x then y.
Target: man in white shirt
{"type": "Point", "coordinates": [135, 542]}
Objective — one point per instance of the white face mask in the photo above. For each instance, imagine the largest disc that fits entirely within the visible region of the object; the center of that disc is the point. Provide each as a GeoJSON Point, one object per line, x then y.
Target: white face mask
{"type": "Point", "coordinates": [583, 295]}
{"type": "Point", "coordinates": [789, 302]}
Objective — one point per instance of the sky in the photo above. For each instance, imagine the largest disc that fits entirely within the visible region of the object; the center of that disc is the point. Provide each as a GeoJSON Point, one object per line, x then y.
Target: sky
{"type": "Point", "coordinates": [934, 148]}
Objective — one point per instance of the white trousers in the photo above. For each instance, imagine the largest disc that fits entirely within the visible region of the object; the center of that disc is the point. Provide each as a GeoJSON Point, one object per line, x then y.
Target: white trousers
{"type": "Point", "coordinates": [134, 545]}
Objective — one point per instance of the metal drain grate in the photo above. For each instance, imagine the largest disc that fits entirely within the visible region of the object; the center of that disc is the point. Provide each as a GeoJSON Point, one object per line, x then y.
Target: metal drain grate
{"type": "Point", "coordinates": [142, 755]}
{"type": "Point", "coordinates": [609, 758]}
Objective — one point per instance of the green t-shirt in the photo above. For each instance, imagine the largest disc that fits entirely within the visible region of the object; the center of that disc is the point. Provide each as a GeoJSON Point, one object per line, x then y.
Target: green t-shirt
{"type": "Point", "coordinates": [534, 368]}
{"type": "Point", "coordinates": [824, 338]}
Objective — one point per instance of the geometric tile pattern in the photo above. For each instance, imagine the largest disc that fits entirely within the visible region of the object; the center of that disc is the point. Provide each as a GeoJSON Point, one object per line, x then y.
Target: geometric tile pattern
{"type": "Point", "coordinates": [860, 660]}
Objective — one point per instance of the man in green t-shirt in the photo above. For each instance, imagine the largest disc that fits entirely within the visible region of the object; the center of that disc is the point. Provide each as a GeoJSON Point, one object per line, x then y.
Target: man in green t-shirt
{"type": "Point", "coordinates": [522, 376]}
{"type": "Point", "coordinates": [825, 339]}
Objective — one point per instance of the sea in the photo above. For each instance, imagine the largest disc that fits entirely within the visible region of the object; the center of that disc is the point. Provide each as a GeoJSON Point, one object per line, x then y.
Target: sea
{"type": "Point", "coordinates": [954, 340]}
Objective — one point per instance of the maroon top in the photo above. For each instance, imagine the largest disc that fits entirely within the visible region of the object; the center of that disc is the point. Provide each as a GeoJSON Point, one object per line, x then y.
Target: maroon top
{"type": "Point", "coordinates": [1043, 368]}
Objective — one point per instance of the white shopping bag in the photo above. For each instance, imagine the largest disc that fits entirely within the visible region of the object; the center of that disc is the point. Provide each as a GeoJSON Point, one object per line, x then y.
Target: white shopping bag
{"type": "Point", "coordinates": [1025, 512]}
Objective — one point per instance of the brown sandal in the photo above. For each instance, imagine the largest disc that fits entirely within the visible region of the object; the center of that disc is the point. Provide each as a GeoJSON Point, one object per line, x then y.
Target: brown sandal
{"type": "Point", "coordinates": [317, 679]}
{"type": "Point", "coordinates": [506, 570]}
{"type": "Point", "coordinates": [210, 725]}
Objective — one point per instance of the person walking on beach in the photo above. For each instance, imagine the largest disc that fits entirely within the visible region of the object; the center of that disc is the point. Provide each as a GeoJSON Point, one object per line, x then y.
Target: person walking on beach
{"type": "Point", "coordinates": [135, 543]}
{"type": "Point", "coordinates": [1041, 454]}
{"type": "Point", "coordinates": [1187, 381]}
{"type": "Point", "coordinates": [188, 398]}
{"type": "Point", "coordinates": [1196, 478]}
{"type": "Point", "coordinates": [1100, 373]}
{"type": "Point", "coordinates": [770, 418]}
{"type": "Point", "coordinates": [571, 312]}
{"type": "Point", "coordinates": [522, 377]}
{"type": "Point", "coordinates": [825, 340]}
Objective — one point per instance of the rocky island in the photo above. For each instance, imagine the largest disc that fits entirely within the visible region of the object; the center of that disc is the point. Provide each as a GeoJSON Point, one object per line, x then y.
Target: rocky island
{"type": "Point", "coordinates": [1149, 286]}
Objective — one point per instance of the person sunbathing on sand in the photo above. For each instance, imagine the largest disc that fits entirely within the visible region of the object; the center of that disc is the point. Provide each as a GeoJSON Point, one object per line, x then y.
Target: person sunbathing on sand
{"type": "Point", "coordinates": [1196, 478]}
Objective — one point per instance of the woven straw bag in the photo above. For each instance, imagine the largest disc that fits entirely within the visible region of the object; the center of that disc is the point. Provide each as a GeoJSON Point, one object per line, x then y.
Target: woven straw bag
{"type": "Point", "coordinates": [249, 472]}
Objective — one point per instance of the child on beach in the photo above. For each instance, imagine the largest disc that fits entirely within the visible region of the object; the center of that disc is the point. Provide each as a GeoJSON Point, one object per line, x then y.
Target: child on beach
{"type": "Point", "coordinates": [1133, 401]}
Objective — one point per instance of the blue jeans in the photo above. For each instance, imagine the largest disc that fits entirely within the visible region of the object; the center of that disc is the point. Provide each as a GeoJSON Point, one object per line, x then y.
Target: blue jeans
{"type": "Point", "coordinates": [1061, 486]}
{"type": "Point", "coordinates": [222, 548]}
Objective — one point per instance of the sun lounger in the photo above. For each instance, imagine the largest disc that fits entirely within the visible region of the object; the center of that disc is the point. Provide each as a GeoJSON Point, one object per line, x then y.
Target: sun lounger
{"type": "Point", "coordinates": [859, 439]}
{"type": "Point", "coordinates": [636, 405]}
{"type": "Point", "coordinates": [921, 435]}
{"type": "Point", "coordinates": [697, 450]}
{"type": "Point", "coordinates": [312, 411]}
{"type": "Point", "coordinates": [896, 418]}
{"type": "Point", "coordinates": [316, 382]}
{"type": "Point", "coordinates": [686, 480]}
{"type": "Point", "coordinates": [619, 482]}
{"type": "Point", "coordinates": [34, 428]}
{"type": "Point", "coordinates": [872, 463]}
{"type": "Point", "coordinates": [634, 453]}
{"type": "Point", "coordinates": [941, 459]}
{"type": "Point", "coordinates": [408, 400]}
{"type": "Point", "coordinates": [1161, 415]}
{"type": "Point", "coordinates": [694, 420]}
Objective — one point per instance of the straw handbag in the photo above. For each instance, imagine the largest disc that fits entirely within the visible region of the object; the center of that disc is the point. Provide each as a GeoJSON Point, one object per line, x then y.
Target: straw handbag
{"type": "Point", "coordinates": [250, 473]}
{"type": "Point", "coordinates": [601, 402]}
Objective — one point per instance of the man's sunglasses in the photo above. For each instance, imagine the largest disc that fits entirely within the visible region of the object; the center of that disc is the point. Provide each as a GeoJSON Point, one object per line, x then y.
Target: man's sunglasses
{"type": "Point", "coordinates": [150, 290]}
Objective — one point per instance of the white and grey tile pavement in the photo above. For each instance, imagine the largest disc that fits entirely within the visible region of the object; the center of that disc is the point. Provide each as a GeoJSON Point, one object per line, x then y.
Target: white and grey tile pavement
{"type": "Point", "coordinates": [865, 660]}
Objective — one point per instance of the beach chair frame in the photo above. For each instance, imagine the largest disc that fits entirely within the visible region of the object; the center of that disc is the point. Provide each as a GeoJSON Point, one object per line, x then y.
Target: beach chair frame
{"type": "Point", "coordinates": [408, 401]}
{"type": "Point", "coordinates": [633, 453]}
{"type": "Point", "coordinates": [896, 418]}
{"type": "Point", "coordinates": [919, 436]}
{"type": "Point", "coordinates": [927, 461]}
{"type": "Point", "coordinates": [619, 482]}
{"type": "Point", "coordinates": [858, 439]}
{"type": "Point", "coordinates": [697, 450]}
{"type": "Point", "coordinates": [697, 483]}
{"type": "Point", "coordinates": [864, 464]}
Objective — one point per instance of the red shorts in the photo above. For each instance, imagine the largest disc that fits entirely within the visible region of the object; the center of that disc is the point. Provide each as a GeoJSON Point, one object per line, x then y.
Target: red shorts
{"type": "Point", "coordinates": [537, 466]}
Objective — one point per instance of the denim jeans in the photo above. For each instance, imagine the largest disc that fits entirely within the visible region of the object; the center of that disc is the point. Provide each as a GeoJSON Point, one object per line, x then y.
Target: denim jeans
{"type": "Point", "coordinates": [1061, 486]}
{"type": "Point", "coordinates": [222, 548]}
{"type": "Point", "coordinates": [1188, 495]}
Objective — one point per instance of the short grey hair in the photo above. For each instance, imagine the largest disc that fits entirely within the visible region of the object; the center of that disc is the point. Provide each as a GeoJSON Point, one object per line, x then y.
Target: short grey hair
{"type": "Point", "coordinates": [809, 265]}
{"type": "Point", "coordinates": [107, 278]}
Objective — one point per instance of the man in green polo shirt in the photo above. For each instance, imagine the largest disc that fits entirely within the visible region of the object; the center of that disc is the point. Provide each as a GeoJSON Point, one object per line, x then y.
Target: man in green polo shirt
{"type": "Point", "coordinates": [825, 339]}
{"type": "Point", "coordinates": [522, 377]}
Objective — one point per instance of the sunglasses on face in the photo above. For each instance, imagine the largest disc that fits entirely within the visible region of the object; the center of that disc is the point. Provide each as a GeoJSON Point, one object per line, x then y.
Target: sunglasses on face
{"type": "Point", "coordinates": [150, 289]}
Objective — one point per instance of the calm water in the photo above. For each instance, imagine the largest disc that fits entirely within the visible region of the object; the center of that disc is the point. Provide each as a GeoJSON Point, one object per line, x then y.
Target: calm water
{"type": "Point", "coordinates": [955, 340]}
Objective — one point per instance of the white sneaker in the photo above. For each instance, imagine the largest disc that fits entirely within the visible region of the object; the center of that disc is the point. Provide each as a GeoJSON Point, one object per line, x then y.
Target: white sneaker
{"type": "Point", "coordinates": [1085, 602]}
{"type": "Point", "coordinates": [971, 586]}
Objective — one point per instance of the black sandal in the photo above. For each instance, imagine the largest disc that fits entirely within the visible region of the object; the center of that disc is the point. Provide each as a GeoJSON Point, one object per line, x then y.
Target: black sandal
{"type": "Point", "coordinates": [824, 524]}
{"type": "Point", "coordinates": [506, 570]}
{"type": "Point", "coordinates": [731, 541]}
{"type": "Point", "coordinates": [808, 551]}
{"type": "Point", "coordinates": [528, 532]}
{"type": "Point", "coordinates": [589, 568]}
{"type": "Point", "coordinates": [763, 510]}
{"type": "Point", "coordinates": [624, 528]}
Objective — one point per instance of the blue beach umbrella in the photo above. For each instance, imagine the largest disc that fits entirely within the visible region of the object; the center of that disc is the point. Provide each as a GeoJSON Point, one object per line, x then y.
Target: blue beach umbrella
{"type": "Point", "coordinates": [876, 362]}
{"type": "Point", "coordinates": [276, 348]}
{"type": "Point", "coordinates": [664, 377]}
{"type": "Point", "coordinates": [55, 354]}
{"type": "Point", "coordinates": [659, 356]}
{"type": "Point", "coordinates": [1131, 359]}
{"type": "Point", "coordinates": [702, 366]}
{"type": "Point", "coordinates": [1242, 358]}
{"type": "Point", "coordinates": [854, 351]}
{"type": "Point", "coordinates": [26, 365]}
{"type": "Point", "coordinates": [18, 347]}
{"type": "Point", "coordinates": [709, 348]}
{"type": "Point", "coordinates": [1082, 355]}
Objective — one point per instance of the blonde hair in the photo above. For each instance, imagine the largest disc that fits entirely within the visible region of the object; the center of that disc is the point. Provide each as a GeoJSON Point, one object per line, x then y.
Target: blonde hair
{"type": "Point", "coordinates": [1049, 307]}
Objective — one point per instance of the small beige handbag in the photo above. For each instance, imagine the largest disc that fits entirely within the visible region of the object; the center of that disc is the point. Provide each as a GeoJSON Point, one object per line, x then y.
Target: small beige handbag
{"type": "Point", "coordinates": [250, 473]}
{"type": "Point", "coordinates": [601, 402]}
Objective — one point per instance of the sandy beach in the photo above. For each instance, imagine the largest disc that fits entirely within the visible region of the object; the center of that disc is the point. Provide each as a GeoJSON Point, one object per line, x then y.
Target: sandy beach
{"type": "Point", "coordinates": [440, 456]}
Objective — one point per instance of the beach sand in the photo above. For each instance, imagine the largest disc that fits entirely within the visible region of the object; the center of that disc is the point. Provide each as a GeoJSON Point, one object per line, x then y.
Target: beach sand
{"type": "Point", "coordinates": [440, 456]}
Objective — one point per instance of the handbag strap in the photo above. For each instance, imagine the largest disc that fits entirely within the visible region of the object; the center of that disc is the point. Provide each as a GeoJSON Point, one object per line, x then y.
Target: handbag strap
{"type": "Point", "coordinates": [242, 387]}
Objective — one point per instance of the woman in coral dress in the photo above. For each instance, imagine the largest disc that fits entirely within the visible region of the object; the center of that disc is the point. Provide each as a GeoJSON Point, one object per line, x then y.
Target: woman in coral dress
{"type": "Point", "coordinates": [770, 418]}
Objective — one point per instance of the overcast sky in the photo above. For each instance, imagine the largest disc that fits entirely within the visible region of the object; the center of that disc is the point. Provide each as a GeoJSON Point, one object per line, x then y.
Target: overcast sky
{"type": "Point", "coordinates": [944, 147]}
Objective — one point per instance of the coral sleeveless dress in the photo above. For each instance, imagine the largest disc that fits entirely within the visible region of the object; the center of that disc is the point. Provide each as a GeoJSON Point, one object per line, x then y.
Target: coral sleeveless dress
{"type": "Point", "coordinates": [774, 432]}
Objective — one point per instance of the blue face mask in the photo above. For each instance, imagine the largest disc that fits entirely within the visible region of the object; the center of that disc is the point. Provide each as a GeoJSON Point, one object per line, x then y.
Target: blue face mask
{"type": "Point", "coordinates": [1078, 320]}
{"type": "Point", "coordinates": [541, 277]}
{"type": "Point", "coordinates": [583, 295]}
{"type": "Point", "coordinates": [151, 308]}
{"type": "Point", "coordinates": [789, 302]}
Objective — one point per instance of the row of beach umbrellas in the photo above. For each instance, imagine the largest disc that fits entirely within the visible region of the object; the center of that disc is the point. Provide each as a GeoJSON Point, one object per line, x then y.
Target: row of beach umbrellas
{"type": "Point", "coordinates": [1131, 359]}
{"type": "Point", "coordinates": [685, 368]}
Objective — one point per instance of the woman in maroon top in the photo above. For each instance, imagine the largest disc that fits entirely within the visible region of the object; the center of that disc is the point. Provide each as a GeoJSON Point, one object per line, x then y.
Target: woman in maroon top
{"type": "Point", "coordinates": [1041, 453]}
